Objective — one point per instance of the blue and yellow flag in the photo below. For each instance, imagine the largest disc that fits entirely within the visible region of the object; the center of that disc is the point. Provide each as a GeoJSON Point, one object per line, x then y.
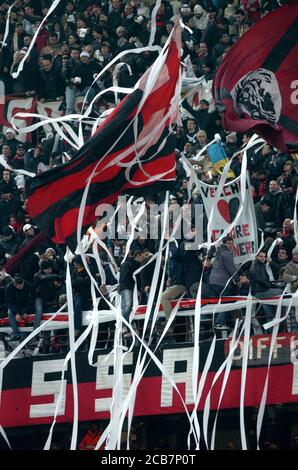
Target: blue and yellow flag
{"type": "Point", "coordinates": [219, 159]}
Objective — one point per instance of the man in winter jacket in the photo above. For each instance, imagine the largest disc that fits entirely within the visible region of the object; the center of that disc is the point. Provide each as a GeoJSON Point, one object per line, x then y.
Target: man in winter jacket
{"type": "Point", "coordinates": [127, 284]}
{"type": "Point", "coordinates": [177, 280]}
{"type": "Point", "coordinates": [9, 242]}
{"type": "Point", "coordinates": [263, 276]}
{"type": "Point", "coordinates": [82, 78]}
{"type": "Point", "coordinates": [224, 270]}
{"type": "Point", "coordinates": [47, 289]}
{"type": "Point", "coordinates": [51, 86]}
{"type": "Point", "coordinates": [19, 297]}
{"type": "Point", "coordinates": [223, 276]}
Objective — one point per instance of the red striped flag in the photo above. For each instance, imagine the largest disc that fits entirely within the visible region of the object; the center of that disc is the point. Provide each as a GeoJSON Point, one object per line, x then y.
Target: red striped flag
{"type": "Point", "coordinates": [143, 119]}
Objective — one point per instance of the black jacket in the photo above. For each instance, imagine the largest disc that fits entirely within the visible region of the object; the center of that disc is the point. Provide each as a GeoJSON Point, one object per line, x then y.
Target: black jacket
{"type": "Point", "coordinates": [176, 265]}
{"type": "Point", "coordinates": [45, 286]}
{"type": "Point", "coordinates": [85, 72]}
{"type": "Point", "coordinates": [259, 278]}
{"type": "Point", "coordinates": [51, 84]}
{"type": "Point", "coordinates": [126, 274]}
{"type": "Point", "coordinates": [20, 300]}
{"type": "Point", "coordinates": [81, 283]}
{"type": "Point", "coordinates": [192, 266]}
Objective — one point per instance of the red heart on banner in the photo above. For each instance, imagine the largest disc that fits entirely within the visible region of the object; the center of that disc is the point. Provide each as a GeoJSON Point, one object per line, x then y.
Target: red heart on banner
{"type": "Point", "coordinates": [228, 210]}
{"type": "Point", "coordinates": [224, 210]}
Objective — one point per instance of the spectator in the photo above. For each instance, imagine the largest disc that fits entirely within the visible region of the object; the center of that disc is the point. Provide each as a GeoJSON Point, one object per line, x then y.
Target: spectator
{"type": "Point", "coordinates": [47, 290]}
{"type": "Point", "coordinates": [287, 235]}
{"type": "Point", "coordinates": [223, 277]}
{"type": "Point", "coordinates": [56, 262]}
{"type": "Point", "coordinates": [19, 298]}
{"type": "Point", "coordinates": [81, 284]}
{"type": "Point", "coordinates": [200, 18]}
{"type": "Point", "coordinates": [201, 116]}
{"type": "Point", "coordinates": [9, 242]}
{"type": "Point", "coordinates": [277, 200]}
{"type": "Point", "coordinates": [289, 178]}
{"type": "Point", "coordinates": [34, 158]}
{"type": "Point", "coordinates": [30, 264]}
{"type": "Point", "coordinates": [11, 140]}
{"type": "Point", "coordinates": [9, 197]}
{"type": "Point", "coordinates": [92, 437]}
{"type": "Point", "coordinates": [127, 285]}
{"type": "Point", "coordinates": [82, 78]}
{"type": "Point", "coordinates": [51, 84]}
{"type": "Point", "coordinates": [192, 264]}
{"type": "Point", "coordinates": [262, 208]}
{"type": "Point", "coordinates": [290, 274]}
{"type": "Point", "coordinates": [282, 258]}
{"type": "Point", "coordinates": [17, 162]}
{"type": "Point", "coordinates": [207, 268]}
{"type": "Point", "coordinates": [176, 281]}
{"type": "Point", "coordinates": [191, 131]}
{"type": "Point", "coordinates": [263, 276]}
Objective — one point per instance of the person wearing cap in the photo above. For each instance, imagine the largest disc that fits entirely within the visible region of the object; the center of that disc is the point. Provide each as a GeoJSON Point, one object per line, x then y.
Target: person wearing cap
{"type": "Point", "coordinates": [57, 263]}
{"type": "Point", "coordinates": [81, 79]}
{"type": "Point", "coordinates": [200, 18]}
{"type": "Point", "coordinates": [27, 81]}
{"type": "Point", "coordinates": [11, 140]}
{"type": "Point", "coordinates": [200, 115]}
{"type": "Point", "coordinates": [29, 234]}
{"type": "Point", "coordinates": [30, 262]}
{"type": "Point", "coordinates": [19, 297]}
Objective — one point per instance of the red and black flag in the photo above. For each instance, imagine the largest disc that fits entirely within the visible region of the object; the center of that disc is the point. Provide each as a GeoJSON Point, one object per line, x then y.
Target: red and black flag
{"type": "Point", "coordinates": [256, 86]}
{"type": "Point", "coordinates": [132, 151]}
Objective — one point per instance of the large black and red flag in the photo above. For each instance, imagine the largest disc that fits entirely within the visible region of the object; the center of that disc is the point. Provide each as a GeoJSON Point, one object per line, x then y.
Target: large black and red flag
{"type": "Point", "coordinates": [133, 150]}
{"type": "Point", "coordinates": [256, 86]}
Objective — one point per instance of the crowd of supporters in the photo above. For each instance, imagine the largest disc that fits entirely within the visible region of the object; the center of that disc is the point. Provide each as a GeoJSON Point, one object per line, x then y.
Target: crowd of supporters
{"type": "Point", "coordinates": [77, 41]}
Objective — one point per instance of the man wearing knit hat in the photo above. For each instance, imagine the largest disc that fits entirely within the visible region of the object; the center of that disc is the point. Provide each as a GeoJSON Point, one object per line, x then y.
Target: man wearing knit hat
{"type": "Point", "coordinates": [11, 140]}
{"type": "Point", "coordinates": [81, 79]}
{"type": "Point", "coordinates": [200, 18]}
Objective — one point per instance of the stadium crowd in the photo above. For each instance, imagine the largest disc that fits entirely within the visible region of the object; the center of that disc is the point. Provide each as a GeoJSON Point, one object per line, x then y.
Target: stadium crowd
{"type": "Point", "coordinates": [78, 40]}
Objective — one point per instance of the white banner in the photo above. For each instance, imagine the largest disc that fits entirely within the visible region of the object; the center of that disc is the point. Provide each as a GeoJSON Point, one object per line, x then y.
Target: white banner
{"type": "Point", "coordinates": [245, 232]}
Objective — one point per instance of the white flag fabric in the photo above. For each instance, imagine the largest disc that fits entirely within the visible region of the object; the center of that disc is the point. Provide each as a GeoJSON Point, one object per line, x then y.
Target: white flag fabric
{"type": "Point", "coordinates": [245, 231]}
